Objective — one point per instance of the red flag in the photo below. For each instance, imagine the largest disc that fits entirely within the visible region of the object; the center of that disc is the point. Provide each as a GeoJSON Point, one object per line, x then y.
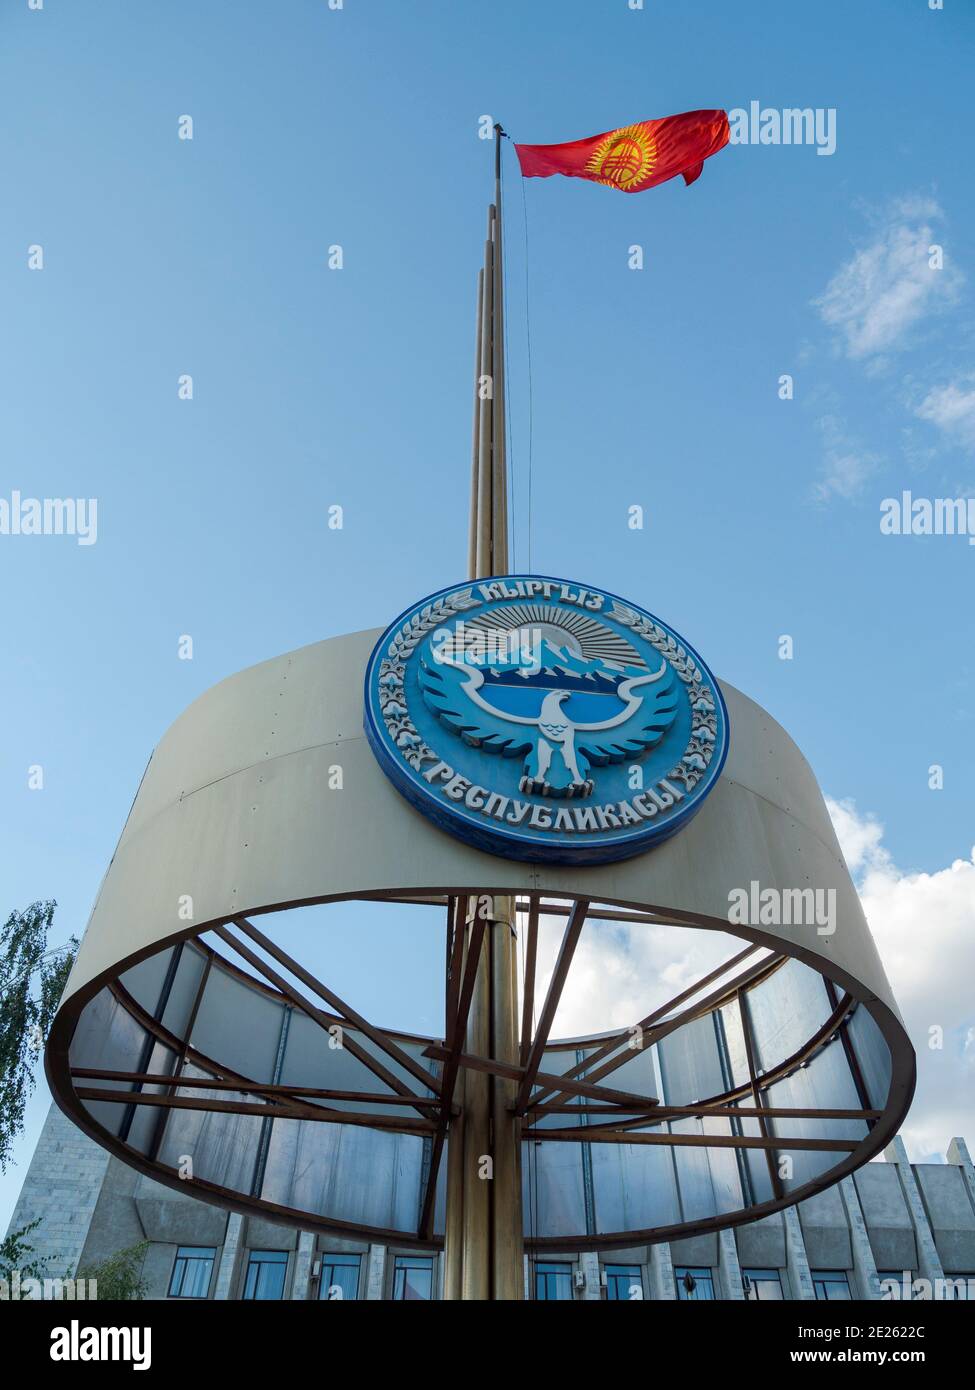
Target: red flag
{"type": "Point", "coordinates": [634, 157]}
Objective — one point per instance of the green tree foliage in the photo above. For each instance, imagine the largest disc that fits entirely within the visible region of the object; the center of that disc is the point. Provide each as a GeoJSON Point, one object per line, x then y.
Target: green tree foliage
{"type": "Point", "coordinates": [119, 1278]}
{"type": "Point", "coordinates": [16, 1254]}
{"type": "Point", "coordinates": [32, 979]}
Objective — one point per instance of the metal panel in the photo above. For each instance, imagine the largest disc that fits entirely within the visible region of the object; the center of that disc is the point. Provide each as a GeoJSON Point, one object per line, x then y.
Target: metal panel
{"type": "Point", "coordinates": [346, 1174]}
{"type": "Point", "coordinates": [236, 810]}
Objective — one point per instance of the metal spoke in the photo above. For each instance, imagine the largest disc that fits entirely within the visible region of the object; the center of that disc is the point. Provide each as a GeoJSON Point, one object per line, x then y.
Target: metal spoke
{"type": "Point", "coordinates": [589, 1134]}
{"type": "Point", "coordinates": [653, 1031]}
{"type": "Point", "coordinates": [375, 1035]}
{"type": "Point", "coordinates": [763, 1124]}
{"type": "Point", "coordinates": [456, 1028]}
{"type": "Point", "coordinates": [510, 1072]}
{"type": "Point", "coordinates": [242, 1107]}
{"type": "Point", "coordinates": [528, 994]}
{"type": "Point", "coordinates": [570, 940]}
{"type": "Point", "coordinates": [323, 1020]}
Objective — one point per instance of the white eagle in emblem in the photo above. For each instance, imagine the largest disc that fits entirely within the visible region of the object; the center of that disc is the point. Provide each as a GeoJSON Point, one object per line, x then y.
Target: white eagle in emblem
{"type": "Point", "coordinates": [496, 713]}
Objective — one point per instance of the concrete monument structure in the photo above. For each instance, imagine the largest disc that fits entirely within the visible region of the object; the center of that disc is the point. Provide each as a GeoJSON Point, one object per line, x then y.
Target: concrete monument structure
{"type": "Point", "coordinates": [213, 1064]}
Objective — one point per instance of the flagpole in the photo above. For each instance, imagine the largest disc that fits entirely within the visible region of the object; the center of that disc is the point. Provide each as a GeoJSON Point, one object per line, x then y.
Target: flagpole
{"type": "Point", "coordinates": [507, 1265]}
{"type": "Point", "coordinates": [499, 451]}
{"type": "Point", "coordinates": [484, 1236]}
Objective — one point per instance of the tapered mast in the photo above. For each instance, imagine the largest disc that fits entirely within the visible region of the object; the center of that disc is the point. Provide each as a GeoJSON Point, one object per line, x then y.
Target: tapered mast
{"type": "Point", "coordinates": [488, 545]}
{"type": "Point", "coordinates": [484, 1246]}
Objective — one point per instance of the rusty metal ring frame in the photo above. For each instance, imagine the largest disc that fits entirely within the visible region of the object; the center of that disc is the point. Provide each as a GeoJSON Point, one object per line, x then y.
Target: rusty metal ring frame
{"type": "Point", "coordinates": [237, 815]}
{"type": "Point", "coordinates": [418, 1076]}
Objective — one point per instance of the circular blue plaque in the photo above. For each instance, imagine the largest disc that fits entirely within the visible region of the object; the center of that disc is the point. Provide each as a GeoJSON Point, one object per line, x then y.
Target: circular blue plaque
{"type": "Point", "coordinates": [544, 720]}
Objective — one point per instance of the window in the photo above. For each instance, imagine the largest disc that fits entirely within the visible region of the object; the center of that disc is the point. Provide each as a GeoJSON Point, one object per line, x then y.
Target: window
{"type": "Point", "coordinates": [553, 1282]}
{"type": "Point", "coordinates": [762, 1285]}
{"type": "Point", "coordinates": [191, 1271]}
{"type": "Point", "coordinates": [265, 1274]}
{"type": "Point", "coordinates": [413, 1277]}
{"type": "Point", "coordinates": [694, 1285]}
{"type": "Point", "coordinates": [623, 1281]}
{"type": "Point", "coordinates": [831, 1285]}
{"type": "Point", "coordinates": [339, 1277]}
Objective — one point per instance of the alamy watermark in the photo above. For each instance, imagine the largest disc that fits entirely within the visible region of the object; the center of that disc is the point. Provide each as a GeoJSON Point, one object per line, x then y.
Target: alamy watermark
{"type": "Point", "coordinates": [905, 1286]}
{"type": "Point", "coordinates": [488, 646]}
{"type": "Point", "coordinates": [50, 516]}
{"type": "Point", "coordinates": [756, 906]}
{"type": "Point", "coordinates": [27, 1289]}
{"type": "Point", "coordinates": [792, 125]}
{"type": "Point", "coordinates": [908, 515]}
{"type": "Point", "coordinates": [77, 1343]}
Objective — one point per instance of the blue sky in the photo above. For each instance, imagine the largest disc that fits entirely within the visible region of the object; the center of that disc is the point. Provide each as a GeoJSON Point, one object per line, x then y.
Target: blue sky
{"type": "Point", "coordinates": [312, 387]}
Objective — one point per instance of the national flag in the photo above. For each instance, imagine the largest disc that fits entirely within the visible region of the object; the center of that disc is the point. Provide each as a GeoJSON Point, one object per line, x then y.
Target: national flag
{"type": "Point", "coordinates": [634, 157]}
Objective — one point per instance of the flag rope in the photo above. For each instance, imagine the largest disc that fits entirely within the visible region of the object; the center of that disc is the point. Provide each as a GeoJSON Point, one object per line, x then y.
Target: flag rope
{"type": "Point", "coordinates": [531, 398]}
{"type": "Point", "coordinates": [509, 455]}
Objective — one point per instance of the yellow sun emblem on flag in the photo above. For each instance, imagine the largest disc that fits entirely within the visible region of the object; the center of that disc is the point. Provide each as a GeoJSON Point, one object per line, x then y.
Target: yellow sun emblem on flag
{"type": "Point", "coordinates": [624, 158]}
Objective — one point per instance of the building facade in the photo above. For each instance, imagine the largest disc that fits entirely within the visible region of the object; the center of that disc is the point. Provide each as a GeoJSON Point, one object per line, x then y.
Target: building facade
{"type": "Point", "coordinates": [891, 1230]}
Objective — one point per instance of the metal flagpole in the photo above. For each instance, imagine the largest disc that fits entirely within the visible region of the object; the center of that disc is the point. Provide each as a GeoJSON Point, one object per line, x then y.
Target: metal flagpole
{"type": "Point", "coordinates": [499, 505]}
{"type": "Point", "coordinates": [484, 1245]}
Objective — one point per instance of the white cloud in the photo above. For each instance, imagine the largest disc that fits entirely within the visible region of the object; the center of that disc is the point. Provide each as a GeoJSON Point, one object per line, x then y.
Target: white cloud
{"type": "Point", "coordinates": [859, 836]}
{"type": "Point", "coordinates": [620, 973]}
{"type": "Point", "coordinates": [888, 286]}
{"type": "Point", "coordinates": [952, 409]}
{"type": "Point", "coordinates": [846, 464]}
{"type": "Point", "coordinates": [924, 926]}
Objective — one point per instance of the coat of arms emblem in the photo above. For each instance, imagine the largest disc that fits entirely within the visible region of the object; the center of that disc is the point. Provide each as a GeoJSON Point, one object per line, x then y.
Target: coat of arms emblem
{"type": "Point", "coordinates": [544, 720]}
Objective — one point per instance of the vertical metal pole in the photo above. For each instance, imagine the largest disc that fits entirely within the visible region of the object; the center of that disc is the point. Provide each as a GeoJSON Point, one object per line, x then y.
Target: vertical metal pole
{"type": "Point", "coordinates": [499, 463]}
{"type": "Point", "coordinates": [476, 1222]}
{"type": "Point", "coordinates": [475, 449]}
{"type": "Point", "coordinates": [454, 1215]}
{"type": "Point", "coordinates": [484, 1245]}
{"type": "Point", "coordinates": [484, 407]}
{"type": "Point", "coordinates": [507, 1234]}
